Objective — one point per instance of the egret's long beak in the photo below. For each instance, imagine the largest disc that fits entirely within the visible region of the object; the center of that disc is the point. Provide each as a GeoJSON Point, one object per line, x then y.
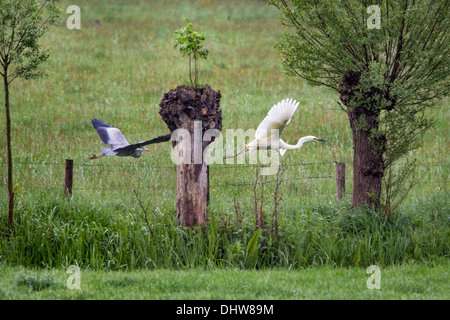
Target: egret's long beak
{"type": "Point", "coordinates": [320, 140]}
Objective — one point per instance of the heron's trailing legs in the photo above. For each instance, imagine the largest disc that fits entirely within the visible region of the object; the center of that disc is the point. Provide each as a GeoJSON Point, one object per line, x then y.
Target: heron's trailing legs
{"type": "Point", "coordinates": [102, 155]}
{"type": "Point", "coordinates": [96, 156]}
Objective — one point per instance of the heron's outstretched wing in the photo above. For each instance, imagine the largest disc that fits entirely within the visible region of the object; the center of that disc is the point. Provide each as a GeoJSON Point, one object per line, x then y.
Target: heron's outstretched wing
{"type": "Point", "coordinates": [144, 143]}
{"type": "Point", "coordinates": [278, 118]}
{"type": "Point", "coordinates": [108, 151]}
{"type": "Point", "coordinates": [154, 140]}
{"type": "Point", "coordinates": [109, 134]}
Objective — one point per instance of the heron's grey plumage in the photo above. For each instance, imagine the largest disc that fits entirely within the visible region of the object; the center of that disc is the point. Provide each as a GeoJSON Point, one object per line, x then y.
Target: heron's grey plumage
{"type": "Point", "coordinates": [119, 144]}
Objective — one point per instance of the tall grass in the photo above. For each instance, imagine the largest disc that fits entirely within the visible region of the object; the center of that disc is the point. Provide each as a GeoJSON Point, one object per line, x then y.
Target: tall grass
{"type": "Point", "coordinates": [59, 233]}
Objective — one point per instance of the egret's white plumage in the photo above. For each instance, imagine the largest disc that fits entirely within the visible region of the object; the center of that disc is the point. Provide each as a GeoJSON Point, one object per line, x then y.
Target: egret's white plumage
{"type": "Point", "coordinates": [278, 117]}
{"type": "Point", "coordinates": [267, 135]}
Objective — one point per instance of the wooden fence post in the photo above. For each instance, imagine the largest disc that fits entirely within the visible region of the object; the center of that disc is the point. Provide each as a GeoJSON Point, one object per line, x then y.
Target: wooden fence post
{"type": "Point", "coordinates": [68, 178]}
{"type": "Point", "coordinates": [207, 192]}
{"type": "Point", "coordinates": [340, 180]}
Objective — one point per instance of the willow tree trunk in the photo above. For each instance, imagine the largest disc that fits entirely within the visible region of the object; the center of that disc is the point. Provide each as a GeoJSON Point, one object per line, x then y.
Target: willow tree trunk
{"type": "Point", "coordinates": [369, 144]}
{"type": "Point", "coordinates": [189, 112]}
{"type": "Point", "coordinates": [8, 152]}
{"type": "Point", "coordinates": [368, 165]}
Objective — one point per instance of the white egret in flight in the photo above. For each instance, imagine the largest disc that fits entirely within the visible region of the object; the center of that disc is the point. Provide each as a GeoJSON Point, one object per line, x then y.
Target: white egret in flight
{"type": "Point", "coordinates": [266, 135]}
{"type": "Point", "coordinates": [119, 145]}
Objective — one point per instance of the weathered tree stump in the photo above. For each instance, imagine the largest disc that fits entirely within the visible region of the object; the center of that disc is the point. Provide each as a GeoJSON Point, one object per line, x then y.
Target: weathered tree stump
{"type": "Point", "coordinates": [195, 110]}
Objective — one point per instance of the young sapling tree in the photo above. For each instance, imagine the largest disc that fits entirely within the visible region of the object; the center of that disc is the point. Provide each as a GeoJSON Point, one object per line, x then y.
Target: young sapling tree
{"type": "Point", "coordinates": [22, 24]}
{"type": "Point", "coordinates": [190, 44]}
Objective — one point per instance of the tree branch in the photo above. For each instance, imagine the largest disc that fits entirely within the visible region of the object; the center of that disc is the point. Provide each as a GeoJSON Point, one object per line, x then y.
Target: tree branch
{"type": "Point", "coordinates": [14, 76]}
{"type": "Point", "coordinates": [28, 26]}
{"type": "Point", "coordinates": [396, 62]}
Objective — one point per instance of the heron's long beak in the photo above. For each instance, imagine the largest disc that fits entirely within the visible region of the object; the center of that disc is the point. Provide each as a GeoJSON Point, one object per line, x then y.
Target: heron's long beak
{"type": "Point", "coordinates": [320, 140]}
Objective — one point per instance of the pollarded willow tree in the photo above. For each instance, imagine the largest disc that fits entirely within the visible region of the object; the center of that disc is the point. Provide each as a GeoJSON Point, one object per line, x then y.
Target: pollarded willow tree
{"type": "Point", "coordinates": [190, 112]}
{"type": "Point", "coordinates": [22, 24]}
{"type": "Point", "coordinates": [386, 73]}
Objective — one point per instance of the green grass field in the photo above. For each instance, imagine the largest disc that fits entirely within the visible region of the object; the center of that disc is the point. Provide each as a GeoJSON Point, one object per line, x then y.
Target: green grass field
{"type": "Point", "coordinates": [406, 282]}
{"type": "Point", "coordinates": [118, 70]}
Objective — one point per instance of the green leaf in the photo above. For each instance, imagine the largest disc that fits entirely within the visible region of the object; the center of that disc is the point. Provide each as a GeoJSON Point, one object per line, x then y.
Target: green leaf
{"type": "Point", "coordinates": [251, 251]}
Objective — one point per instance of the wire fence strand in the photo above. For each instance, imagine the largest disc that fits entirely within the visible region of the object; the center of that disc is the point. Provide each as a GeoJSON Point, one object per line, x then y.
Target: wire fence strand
{"type": "Point", "coordinates": [221, 166]}
{"type": "Point", "coordinates": [212, 173]}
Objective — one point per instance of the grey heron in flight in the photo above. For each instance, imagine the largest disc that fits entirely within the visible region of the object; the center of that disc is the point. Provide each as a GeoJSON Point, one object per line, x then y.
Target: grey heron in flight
{"type": "Point", "coordinates": [266, 135]}
{"type": "Point", "coordinates": [119, 145]}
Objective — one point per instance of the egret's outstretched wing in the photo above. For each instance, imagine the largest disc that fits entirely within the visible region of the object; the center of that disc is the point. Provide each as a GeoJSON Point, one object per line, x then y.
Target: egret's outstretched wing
{"type": "Point", "coordinates": [109, 134]}
{"type": "Point", "coordinates": [278, 118]}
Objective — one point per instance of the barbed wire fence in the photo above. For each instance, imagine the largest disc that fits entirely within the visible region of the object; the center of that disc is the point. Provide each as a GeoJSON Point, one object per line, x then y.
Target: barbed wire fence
{"type": "Point", "coordinates": [67, 176]}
